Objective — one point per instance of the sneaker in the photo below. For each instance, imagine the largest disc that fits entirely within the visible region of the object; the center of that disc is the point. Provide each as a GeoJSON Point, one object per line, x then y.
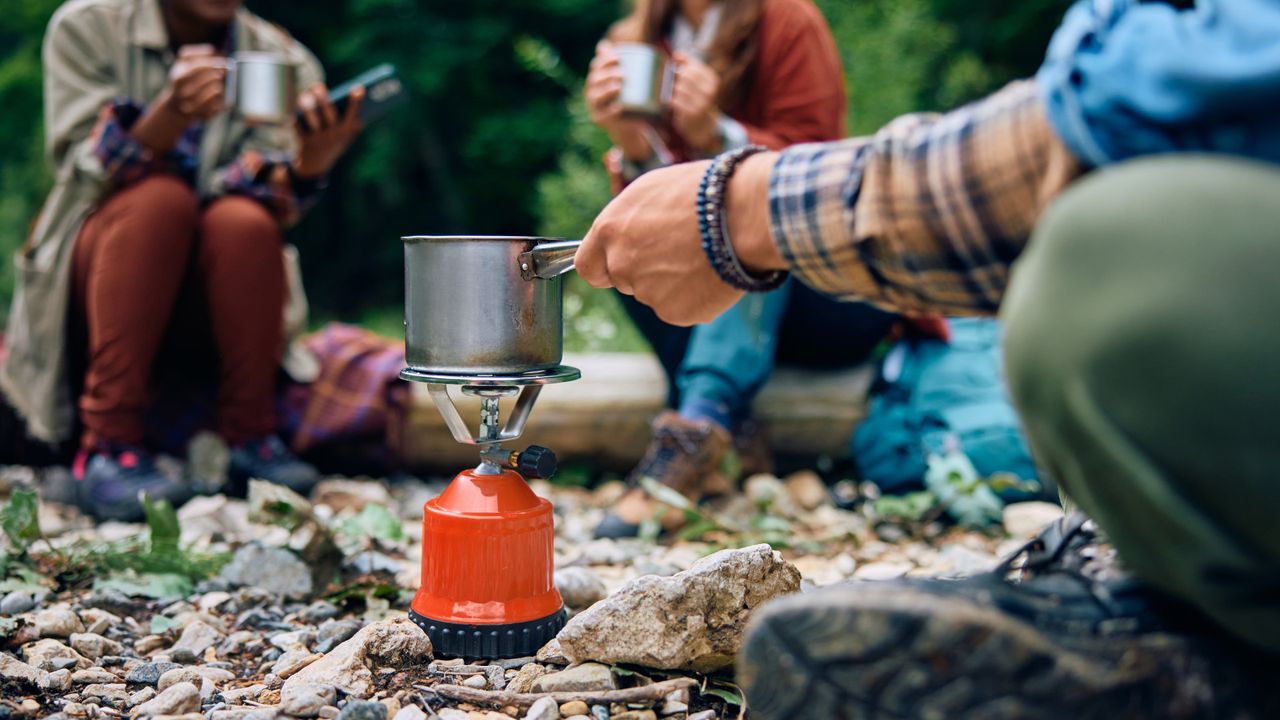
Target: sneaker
{"type": "Point", "coordinates": [268, 459]}
{"type": "Point", "coordinates": [684, 455]}
{"type": "Point", "coordinates": [110, 480]}
{"type": "Point", "coordinates": [1067, 634]}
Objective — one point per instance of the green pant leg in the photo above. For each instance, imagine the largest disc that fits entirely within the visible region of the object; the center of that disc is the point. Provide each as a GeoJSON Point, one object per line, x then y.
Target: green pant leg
{"type": "Point", "coordinates": [1143, 351]}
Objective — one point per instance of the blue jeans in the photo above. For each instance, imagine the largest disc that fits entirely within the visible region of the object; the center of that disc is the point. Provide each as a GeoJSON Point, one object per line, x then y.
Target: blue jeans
{"type": "Point", "coordinates": [725, 362]}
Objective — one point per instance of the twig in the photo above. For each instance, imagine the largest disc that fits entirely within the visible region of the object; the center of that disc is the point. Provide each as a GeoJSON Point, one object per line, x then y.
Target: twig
{"type": "Point", "coordinates": [502, 698]}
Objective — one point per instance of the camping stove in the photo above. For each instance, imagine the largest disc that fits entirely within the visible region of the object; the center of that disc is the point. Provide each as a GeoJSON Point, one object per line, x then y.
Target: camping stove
{"type": "Point", "coordinates": [487, 567]}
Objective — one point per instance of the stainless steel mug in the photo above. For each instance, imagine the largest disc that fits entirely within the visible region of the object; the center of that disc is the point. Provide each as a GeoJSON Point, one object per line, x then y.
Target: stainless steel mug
{"type": "Point", "coordinates": [647, 79]}
{"type": "Point", "coordinates": [262, 87]}
{"type": "Point", "coordinates": [477, 305]}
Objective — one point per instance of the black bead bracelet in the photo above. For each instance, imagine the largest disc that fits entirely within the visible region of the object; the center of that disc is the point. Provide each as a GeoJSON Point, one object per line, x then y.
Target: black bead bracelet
{"type": "Point", "coordinates": [712, 225]}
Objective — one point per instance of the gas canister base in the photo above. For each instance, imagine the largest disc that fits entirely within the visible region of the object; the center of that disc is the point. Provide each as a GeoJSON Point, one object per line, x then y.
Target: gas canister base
{"type": "Point", "coordinates": [489, 641]}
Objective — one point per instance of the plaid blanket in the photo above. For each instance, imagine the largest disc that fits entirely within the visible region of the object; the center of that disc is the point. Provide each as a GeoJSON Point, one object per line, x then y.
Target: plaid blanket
{"type": "Point", "coordinates": [357, 391]}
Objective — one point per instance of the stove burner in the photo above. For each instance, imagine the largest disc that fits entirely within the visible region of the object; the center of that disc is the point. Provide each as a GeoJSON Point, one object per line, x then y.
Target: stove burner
{"type": "Point", "coordinates": [560, 374]}
{"type": "Point", "coordinates": [487, 563]}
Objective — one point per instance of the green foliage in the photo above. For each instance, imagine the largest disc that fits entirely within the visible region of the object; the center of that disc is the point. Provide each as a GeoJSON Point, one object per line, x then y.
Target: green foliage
{"type": "Point", "coordinates": [155, 567]}
{"type": "Point", "coordinates": [496, 139]}
{"type": "Point", "coordinates": [374, 521]}
{"type": "Point", "coordinates": [160, 586]}
{"type": "Point", "coordinates": [162, 524]}
{"type": "Point", "coordinates": [20, 519]}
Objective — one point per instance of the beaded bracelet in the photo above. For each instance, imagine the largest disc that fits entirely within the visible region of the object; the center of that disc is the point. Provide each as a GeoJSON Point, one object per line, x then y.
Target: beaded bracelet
{"type": "Point", "coordinates": [713, 227]}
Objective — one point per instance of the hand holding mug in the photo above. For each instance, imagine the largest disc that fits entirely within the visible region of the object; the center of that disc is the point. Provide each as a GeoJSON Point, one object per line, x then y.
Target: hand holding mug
{"type": "Point", "coordinates": [197, 83]}
{"type": "Point", "coordinates": [195, 93]}
{"type": "Point", "coordinates": [323, 135]}
{"type": "Point", "coordinates": [602, 93]}
{"type": "Point", "coordinates": [693, 102]}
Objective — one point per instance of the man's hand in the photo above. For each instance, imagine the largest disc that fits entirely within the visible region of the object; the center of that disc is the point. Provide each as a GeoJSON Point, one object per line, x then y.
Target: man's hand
{"type": "Point", "coordinates": [322, 135]}
{"type": "Point", "coordinates": [646, 242]}
{"type": "Point", "coordinates": [604, 85]}
{"type": "Point", "coordinates": [693, 103]}
{"type": "Point", "coordinates": [196, 92]}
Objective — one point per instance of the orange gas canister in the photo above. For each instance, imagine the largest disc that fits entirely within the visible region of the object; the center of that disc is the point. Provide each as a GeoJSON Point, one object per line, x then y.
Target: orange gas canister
{"type": "Point", "coordinates": [488, 589]}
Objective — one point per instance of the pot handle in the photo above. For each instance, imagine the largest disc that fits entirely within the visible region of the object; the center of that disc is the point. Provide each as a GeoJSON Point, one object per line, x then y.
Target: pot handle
{"type": "Point", "coordinates": [548, 260]}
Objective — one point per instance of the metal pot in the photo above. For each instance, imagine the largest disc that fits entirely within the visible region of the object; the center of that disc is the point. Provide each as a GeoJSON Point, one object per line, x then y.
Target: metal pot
{"type": "Point", "coordinates": [262, 87]}
{"type": "Point", "coordinates": [478, 305]}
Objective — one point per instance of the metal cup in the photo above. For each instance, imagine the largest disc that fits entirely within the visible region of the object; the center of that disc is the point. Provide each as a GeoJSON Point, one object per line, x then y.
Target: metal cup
{"type": "Point", "coordinates": [262, 87]}
{"type": "Point", "coordinates": [647, 79]}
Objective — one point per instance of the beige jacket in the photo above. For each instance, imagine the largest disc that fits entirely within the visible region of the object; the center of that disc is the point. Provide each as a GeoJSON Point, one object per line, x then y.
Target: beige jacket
{"type": "Point", "coordinates": [94, 52]}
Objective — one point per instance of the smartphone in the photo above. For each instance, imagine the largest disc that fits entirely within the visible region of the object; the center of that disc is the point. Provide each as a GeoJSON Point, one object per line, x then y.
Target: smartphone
{"type": "Point", "coordinates": [383, 92]}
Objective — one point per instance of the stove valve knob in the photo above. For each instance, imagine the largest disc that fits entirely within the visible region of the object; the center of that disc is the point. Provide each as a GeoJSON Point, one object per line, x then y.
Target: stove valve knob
{"type": "Point", "coordinates": [536, 463]}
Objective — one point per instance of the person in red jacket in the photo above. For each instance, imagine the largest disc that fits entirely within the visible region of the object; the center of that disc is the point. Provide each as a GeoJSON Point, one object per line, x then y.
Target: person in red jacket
{"type": "Point", "coordinates": [760, 72]}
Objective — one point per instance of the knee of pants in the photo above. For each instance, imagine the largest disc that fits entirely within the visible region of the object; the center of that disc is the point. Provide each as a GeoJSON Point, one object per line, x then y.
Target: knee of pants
{"type": "Point", "coordinates": [239, 228]}
{"type": "Point", "coordinates": [158, 200]}
{"type": "Point", "coordinates": [1148, 292]}
{"type": "Point", "coordinates": [164, 194]}
{"type": "Point", "coordinates": [1143, 272]}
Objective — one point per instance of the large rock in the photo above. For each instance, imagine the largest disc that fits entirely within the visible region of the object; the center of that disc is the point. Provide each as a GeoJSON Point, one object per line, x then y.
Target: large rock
{"type": "Point", "coordinates": [395, 643]}
{"type": "Point", "coordinates": [693, 620]}
{"type": "Point", "coordinates": [276, 570]}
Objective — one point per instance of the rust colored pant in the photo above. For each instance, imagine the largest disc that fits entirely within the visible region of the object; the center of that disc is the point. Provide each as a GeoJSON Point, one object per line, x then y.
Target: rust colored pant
{"type": "Point", "coordinates": [132, 258]}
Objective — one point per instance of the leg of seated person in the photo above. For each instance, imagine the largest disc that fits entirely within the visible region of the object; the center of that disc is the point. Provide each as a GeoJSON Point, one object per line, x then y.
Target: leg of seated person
{"type": "Point", "coordinates": [1140, 348]}
{"type": "Point", "coordinates": [669, 342]}
{"type": "Point", "coordinates": [130, 259]}
{"type": "Point", "coordinates": [1141, 351]}
{"type": "Point", "coordinates": [241, 267]}
{"type": "Point", "coordinates": [730, 358]}
{"type": "Point", "coordinates": [819, 331]}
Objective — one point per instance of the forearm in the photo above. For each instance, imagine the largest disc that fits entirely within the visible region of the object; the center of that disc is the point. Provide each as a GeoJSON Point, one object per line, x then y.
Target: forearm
{"type": "Point", "coordinates": [924, 216]}
{"type": "Point", "coordinates": [160, 126]}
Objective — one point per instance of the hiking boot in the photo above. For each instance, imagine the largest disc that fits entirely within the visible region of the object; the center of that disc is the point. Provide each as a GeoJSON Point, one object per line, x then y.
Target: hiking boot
{"type": "Point", "coordinates": [268, 459]}
{"type": "Point", "coordinates": [1066, 635]}
{"type": "Point", "coordinates": [110, 480]}
{"type": "Point", "coordinates": [755, 453]}
{"type": "Point", "coordinates": [684, 455]}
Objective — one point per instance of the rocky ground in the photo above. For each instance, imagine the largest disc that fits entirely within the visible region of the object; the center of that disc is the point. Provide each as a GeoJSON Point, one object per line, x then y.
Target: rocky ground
{"type": "Point", "coordinates": [279, 606]}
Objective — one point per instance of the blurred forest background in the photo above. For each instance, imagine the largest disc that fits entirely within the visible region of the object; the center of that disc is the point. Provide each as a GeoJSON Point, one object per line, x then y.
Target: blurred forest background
{"type": "Point", "coordinates": [496, 140]}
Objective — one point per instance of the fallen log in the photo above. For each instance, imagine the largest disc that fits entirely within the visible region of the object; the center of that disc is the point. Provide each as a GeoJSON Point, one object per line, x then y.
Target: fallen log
{"type": "Point", "coordinates": [502, 698]}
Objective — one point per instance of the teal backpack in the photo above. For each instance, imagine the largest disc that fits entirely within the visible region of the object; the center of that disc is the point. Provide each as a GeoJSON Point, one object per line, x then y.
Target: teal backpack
{"type": "Point", "coordinates": [929, 391]}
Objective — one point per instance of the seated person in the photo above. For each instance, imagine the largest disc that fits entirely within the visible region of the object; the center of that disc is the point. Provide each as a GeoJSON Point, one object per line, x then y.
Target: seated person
{"type": "Point", "coordinates": [163, 230]}
{"type": "Point", "coordinates": [747, 71]}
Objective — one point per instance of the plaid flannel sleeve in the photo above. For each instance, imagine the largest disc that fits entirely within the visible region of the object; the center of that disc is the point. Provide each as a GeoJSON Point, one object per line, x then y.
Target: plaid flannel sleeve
{"type": "Point", "coordinates": [254, 174]}
{"type": "Point", "coordinates": [926, 215]}
{"type": "Point", "coordinates": [123, 158]}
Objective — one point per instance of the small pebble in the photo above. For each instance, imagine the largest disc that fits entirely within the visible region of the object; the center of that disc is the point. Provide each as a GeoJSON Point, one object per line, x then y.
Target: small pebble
{"type": "Point", "coordinates": [17, 602]}
{"type": "Point", "coordinates": [476, 681]}
{"type": "Point", "coordinates": [141, 696]}
{"type": "Point", "coordinates": [574, 707]}
{"type": "Point", "coordinates": [363, 710]}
